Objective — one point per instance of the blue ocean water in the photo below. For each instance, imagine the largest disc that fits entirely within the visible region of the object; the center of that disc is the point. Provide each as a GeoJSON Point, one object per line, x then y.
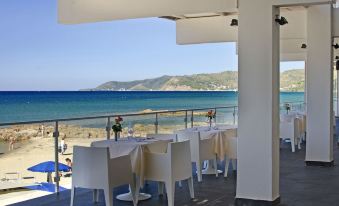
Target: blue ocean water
{"type": "Point", "coordinates": [27, 106]}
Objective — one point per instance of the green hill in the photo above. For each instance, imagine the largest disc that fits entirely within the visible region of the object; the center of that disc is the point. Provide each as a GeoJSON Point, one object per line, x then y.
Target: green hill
{"type": "Point", "coordinates": [292, 80]}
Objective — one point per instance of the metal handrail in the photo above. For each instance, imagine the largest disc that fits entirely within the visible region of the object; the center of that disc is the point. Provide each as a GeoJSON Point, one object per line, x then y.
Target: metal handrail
{"type": "Point", "coordinates": [109, 116]}
{"type": "Point", "coordinates": [122, 115]}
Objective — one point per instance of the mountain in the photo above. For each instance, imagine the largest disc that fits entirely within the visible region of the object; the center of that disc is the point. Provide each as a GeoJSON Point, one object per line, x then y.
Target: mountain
{"type": "Point", "coordinates": [292, 80]}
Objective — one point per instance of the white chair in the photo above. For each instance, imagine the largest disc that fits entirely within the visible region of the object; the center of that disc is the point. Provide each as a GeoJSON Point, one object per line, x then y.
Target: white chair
{"type": "Point", "coordinates": [291, 130]}
{"type": "Point", "coordinates": [93, 169]}
{"type": "Point", "coordinates": [231, 158]}
{"type": "Point", "coordinates": [175, 165]}
{"type": "Point", "coordinates": [302, 119]}
{"type": "Point", "coordinates": [201, 150]}
{"type": "Point", "coordinates": [166, 137]}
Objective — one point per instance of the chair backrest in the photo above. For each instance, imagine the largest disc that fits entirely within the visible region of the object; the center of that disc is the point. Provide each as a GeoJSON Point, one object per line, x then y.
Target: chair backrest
{"type": "Point", "coordinates": [183, 135]}
{"type": "Point", "coordinates": [158, 146]}
{"type": "Point", "coordinates": [172, 137]}
{"type": "Point", "coordinates": [194, 141]}
{"type": "Point", "coordinates": [201, 149]}
{"type": "Point", "coordinates": [206, 150]}
{"type": "Point", "coordinates": [287, 117]}
{"type": "Point", "coordinates": [286, 130]}
{"type": "Point", "coordinates": [120, 170]}
{"type": "Point", "coordinates": [181, 164]}
{"type": "Point", "coordinates": [90, 167]}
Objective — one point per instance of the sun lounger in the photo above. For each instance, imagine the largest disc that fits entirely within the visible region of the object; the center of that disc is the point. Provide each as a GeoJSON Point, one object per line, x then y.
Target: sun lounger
{"type": "Point", "coordinates": [6, 185]}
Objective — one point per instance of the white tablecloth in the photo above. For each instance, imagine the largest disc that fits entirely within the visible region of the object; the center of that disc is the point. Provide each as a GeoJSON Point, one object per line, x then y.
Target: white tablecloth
{"type": "Point", "coordinates": [224, 144]}
{"type": "Point", "coordinates": [224, 139]}
{"type": "Point", "coordinates": [135, 149]}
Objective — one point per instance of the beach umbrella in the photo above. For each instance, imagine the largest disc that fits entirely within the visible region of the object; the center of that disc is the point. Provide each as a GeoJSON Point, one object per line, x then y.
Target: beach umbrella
{"type": "Point", "coordinates": [44, 186]}
{"type": "Point", "coordinates": [48, 167]}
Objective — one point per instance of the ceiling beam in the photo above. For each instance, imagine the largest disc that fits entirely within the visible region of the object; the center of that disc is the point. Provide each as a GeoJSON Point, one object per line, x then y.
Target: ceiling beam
{"type": "Point", "coordinates": [287, 3]}
{"type": "Point", "coordinates": [85, 11]}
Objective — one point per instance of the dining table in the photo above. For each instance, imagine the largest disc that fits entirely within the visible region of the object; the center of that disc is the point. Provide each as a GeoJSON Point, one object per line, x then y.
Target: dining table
{"type": "Point", "coordinates": [135, 147]}
{"type": "Point", "coordinates": [221, 136]}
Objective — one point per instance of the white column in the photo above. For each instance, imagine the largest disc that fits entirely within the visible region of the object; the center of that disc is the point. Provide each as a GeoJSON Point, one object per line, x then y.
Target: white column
{"type": "Point", "coordinates": [319, 146]}
{"type": "Point", "coordinates": [258, 142]}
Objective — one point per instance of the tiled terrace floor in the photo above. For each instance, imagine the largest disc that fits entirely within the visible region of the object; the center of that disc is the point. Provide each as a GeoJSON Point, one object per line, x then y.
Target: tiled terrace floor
{"type": "Point", "coordinates": [299, 186]}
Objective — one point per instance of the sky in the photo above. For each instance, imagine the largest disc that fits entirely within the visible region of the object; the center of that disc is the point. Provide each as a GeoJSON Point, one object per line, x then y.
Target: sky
{"type": "Point", "coordinates": [37, 53]}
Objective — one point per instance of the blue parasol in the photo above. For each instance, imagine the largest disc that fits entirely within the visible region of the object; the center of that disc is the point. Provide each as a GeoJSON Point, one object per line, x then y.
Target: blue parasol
{"type": "Point", "coordinates": [44, 186]}
{"type": "Point", "coordinates": [48, 167]}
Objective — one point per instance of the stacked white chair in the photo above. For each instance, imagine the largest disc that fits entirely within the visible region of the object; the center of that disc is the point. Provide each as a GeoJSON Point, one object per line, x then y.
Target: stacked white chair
{"type": "Point", "coordinates": [174, 165]}
{"type": "Point", "coordinates": [291, 130]}
{"type": "Point", "coordinates": [201, 150]}
{"type": "Point", "coordinates": [93, 169]}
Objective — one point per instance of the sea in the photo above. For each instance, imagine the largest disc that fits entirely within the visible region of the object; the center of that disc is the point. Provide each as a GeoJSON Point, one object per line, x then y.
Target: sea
{"type": "Point", "coordinates": [29, 106]}
{"type": "Point", "coordinates": [35, 106]}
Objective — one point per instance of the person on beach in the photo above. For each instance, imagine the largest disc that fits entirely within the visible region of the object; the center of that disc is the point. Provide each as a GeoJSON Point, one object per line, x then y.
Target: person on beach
{"type": "Point", "coordinates": [63, 145]}
{"type": "Point", "coordinates": [11, 144]}
{"type": "Point", "coordinates": [69, 163]}
{"type": "Point", "coordinates": [42, 131]}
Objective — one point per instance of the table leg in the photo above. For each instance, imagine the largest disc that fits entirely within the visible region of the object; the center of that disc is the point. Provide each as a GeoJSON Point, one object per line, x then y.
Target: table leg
{"type": "Point", "coordinates": [128, 196]}
{"type": "Point", "coordinates": [209, 169]}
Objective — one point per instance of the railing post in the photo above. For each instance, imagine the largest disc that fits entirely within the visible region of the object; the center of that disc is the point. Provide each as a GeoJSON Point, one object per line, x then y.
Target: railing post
{"type": "Point", "coordinates": [56, 157]}
{"type": "Point", "coordinates": [186, 120]}
{"type": "Point", "coordinates": [234, 115]}
{"type": "Point", "coordinates": [192, 118]}
{"type": "Point", "coordinates": [215, 118]}
{"type": "Point", "coordinates": [108, 128]}
{"type": "Point", "coordinates": [156, 123]}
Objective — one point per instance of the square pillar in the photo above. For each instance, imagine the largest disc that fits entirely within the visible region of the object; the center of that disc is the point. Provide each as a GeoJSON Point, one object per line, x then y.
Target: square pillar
{"type": "Point", "coordinates": [258, 130]}
{"type": "Point", "coordinates": [319, 75]}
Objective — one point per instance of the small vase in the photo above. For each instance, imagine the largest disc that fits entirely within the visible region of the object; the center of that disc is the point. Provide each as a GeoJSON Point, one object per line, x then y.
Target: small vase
{"type": "Point", "coordinates": [116, 135]}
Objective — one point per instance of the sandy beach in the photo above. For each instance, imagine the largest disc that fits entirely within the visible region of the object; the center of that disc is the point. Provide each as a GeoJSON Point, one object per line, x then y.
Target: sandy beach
{"type": "Point", "coordinates": [29, 154]}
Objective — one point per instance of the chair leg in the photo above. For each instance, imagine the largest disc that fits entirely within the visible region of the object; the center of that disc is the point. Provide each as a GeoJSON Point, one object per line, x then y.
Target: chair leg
{"type": "Point", "coordinates": [170, 189]}
{"type": "Point", "coordinates": [190, 187]}
{"type": "Point", "coordinates": [215, 166]}
{"type": "Point", "coordinates": [109, 196]}
{"type": "Point", "coordinates": [292, 145]}
{"type": "Point", "coordinates": [180, 184]}
{"type": "Point", "coordinates": [136, 186]}
{"type": "Point", "coordinates": [227, 163]}
{"type": "Point", "coordinates": [299, 143]}
{"type": "Point", "coordinates": [132, 188]}
{"type": "Point", "coordinates": [160, 188]}
{"type": "Point", "coordinates": [199, 171]}
{"type": "Point", "coordinates": [234, 164]}
{"type": "Point", "coordinates": [72, 195]}
{"type": "Point", "coordinates": [95, 196]}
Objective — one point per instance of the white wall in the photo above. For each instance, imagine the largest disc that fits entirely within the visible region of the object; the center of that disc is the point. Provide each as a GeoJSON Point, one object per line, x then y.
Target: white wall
{"type": "Point", "coordinates": [319, 74]}
{"type": "Point", "coordinates": [336, 22]}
